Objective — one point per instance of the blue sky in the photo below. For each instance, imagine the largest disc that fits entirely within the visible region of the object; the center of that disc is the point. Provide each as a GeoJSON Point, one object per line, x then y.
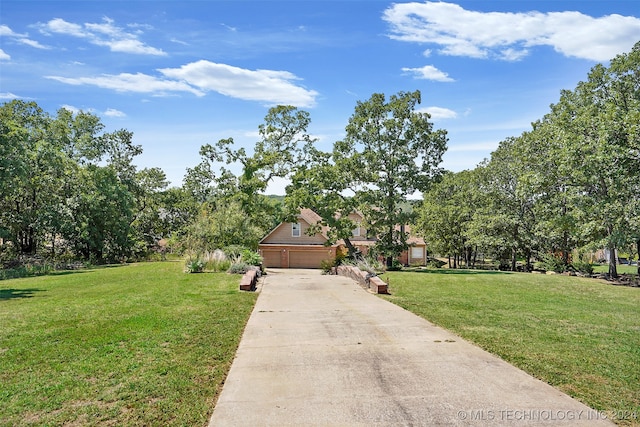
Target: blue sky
{"type": "Point", "coordinates": [180, 74]}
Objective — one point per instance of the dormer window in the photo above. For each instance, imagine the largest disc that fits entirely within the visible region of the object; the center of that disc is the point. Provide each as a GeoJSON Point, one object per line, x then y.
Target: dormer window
{"type": "Point", "coordinates": [295, 229]}
{"type": "Point", "coordinates": [356, 231]}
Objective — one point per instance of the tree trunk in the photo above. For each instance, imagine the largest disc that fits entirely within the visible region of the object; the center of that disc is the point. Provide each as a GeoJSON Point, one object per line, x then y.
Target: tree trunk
{"type": "Point", "coordinates": [352, 249]}
{"type": "Point", "coordinates": [475, 256]}
{"type": "Point", "coordinates": [514, 254]}
{"type": "Point", "coordinates": [613, 262]}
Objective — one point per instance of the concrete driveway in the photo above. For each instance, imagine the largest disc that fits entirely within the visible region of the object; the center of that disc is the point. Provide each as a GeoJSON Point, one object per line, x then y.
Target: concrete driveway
{"type": "Point", "coordinates": [322, 351]}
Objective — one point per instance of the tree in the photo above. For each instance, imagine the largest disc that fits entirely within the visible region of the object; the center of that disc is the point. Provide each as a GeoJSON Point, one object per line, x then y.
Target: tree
{"type": "Point", "coordinates": [282, 136]}
{"type": "Point", "coordinates": [601, 145]}
{"type": "Point", "coordinates": [327, 188]}
{"type": "Point", "coordinates": [391, 152]}
{"type": "Point", "coordinates": [99, 217]}
{"type": "Point", "coordinates": [24, 128]}
{"type": "Point", "coordinates": [505, 221]}
{"type": "Point", "coordinates": [63, 180]}
{"type": "Point", "coordinates": [147, 226]}
{"type": "Point", "coordinates": [445, 214]}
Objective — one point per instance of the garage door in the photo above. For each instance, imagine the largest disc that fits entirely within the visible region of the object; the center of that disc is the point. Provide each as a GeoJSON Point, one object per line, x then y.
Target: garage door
{"type": "Point", "coordinates": [271, 258]}
{"type": "Point", "coordinates": [307, 259]}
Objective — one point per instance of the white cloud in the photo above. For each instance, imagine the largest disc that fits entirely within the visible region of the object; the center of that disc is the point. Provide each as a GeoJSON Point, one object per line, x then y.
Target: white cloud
{"type": "Point", "coordinates": [5, 31]}
{"type": "Point", "coordinates": [111, 112]}
{"type": "Point", "coordinates": [74, 110]}
{"type": "Point", "coordinates": [106, 34]}
{"type": "Point", "coordinates": [438, 113]}
{"type": "Point", "coordinates": [125, 82]}
{"type": "Point", "coordinates": [8, 95]}
{"type": "Point", "coordinates": [508, 36]}
{"type": "Point", "coordinates": [33, 43]}
{"type": "Point", "coordinates": [268, 86]}
{"type": "Point", "coordinates": [429, 72]}
{"type": "Point", "coordinates": [177, 41]}
{"type": "Point", "coordinates": [60, 26]}
{"type": "Point", "coordinates": [4, 56]}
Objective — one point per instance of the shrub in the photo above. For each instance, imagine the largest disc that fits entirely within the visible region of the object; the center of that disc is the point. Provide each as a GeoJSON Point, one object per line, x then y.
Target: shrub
{"type": "Point", "coordinates": [583, 267]}
{"type": "Point", "coordinates": [326, 265]}
{"type": "Point", "coordinates": [435, 263]}
{"type": "Point", "coordinates": [216, 261]}
{"type": "Point", "coordinates": [239, 267]}
{"type": "Point", "coordinates": [234, 251]}
{"type": "Point", "coordinates": [370, 265]}
{"type": "Point", "coordinates": [194, 265]}
{"type": "Point", "coordinates": [550, 262]}
{"type": "Point", "coordinates": [395, 265]}
{"type": "Point", "coordinates": [26, 267]}
{"type": "Point", "coordinates": [341, 255]}
{"type": "Point", "coordinates": [251, 257]}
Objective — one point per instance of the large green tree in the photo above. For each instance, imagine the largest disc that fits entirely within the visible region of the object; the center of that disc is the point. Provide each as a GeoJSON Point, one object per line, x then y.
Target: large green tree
{"type": "Point", "coordinates": [325, 186]}
{"type": "Point", "coordinates": [598, 125]}
{"type": "Point", "coordinates": [445, 214]}
{"type": "Point", "coordinates": [282, 136]}
{"type": "Point", "coordinates": [504, 222]}
{"type": "Point", "coordinates": [390, 152]}
{"type": "Point", "coordinates": [65, 182]}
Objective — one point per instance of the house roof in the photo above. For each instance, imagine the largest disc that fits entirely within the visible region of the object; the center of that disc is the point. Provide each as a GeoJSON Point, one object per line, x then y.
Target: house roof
{"type": "Point", "coordinates": [308, 216]}
{"type": "Point", "coordinates": [312, 218]}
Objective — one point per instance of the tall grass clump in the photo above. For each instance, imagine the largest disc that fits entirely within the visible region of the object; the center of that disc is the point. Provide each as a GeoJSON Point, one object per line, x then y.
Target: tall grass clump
{"type": "Point", "coordinates": [216, 261]}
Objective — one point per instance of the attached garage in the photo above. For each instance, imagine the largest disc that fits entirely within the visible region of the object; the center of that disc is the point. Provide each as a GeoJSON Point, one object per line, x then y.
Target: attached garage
{"type": "Point", "coordinates": [289, 245]}
{"type": "Point", "coordinates": [271, 258]}
{"type": "Point", "coordinates": [308, 258]}
{"type": "Point", "coordinates": [292, 256]}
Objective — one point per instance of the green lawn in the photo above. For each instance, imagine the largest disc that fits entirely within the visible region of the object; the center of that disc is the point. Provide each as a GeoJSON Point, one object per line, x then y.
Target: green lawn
{"type": "Point", "coordinates": [621, 268]}
{"type": "Point", "coordinates": [579, 335]}
{"type": "Point", "coordinates": [140, 344]}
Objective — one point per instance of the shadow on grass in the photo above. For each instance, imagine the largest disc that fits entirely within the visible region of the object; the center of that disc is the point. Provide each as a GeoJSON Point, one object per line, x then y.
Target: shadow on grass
{"type": "Point", "coordinates": [67, 272]}
{"type": "Point", "coordinates": [460, 271]}
{"type": "Point", "coordinates": [7, 294]}
{"type": "Point", "coordinates": [86, 269]}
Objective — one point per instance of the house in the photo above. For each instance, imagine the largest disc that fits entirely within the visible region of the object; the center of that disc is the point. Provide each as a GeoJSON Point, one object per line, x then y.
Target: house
{"type": "Point", "coordinates": [288, 245]}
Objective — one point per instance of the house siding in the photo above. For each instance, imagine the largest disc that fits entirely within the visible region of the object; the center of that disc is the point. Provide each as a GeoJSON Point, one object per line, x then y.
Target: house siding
{"type": "Point", "coordinates": [282, 235]}
{"type": "Point", "coordinates": [363, 231]}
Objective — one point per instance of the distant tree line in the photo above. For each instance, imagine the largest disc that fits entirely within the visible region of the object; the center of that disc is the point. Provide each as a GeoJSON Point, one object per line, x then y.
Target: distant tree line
{"type": "Point", "coordinates": [572, 183]}
{"type": "Point", "coordinates": [68, 188]}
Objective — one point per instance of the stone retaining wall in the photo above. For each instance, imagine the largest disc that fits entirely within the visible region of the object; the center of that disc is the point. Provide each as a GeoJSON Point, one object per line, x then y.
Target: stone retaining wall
{"type": "Point", "coordinates": [366, 280]}
{"type": "Point", "coordinates": [249, 280]}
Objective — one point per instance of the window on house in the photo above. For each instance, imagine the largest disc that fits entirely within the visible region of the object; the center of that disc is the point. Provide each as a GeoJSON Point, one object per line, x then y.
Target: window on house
{"type": "Point", "coordinates": [356, 231]}
{"type": "Point", "coordinates": [295, 229]}
{"type": "Point", "coordinates": [416, 252]}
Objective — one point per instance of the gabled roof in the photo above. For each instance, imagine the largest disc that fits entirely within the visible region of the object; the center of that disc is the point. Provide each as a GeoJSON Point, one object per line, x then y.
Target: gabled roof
{"type": "Point", "coordinates": [308, 216]}
{"type": "Point", "coordinates": [312, 218]}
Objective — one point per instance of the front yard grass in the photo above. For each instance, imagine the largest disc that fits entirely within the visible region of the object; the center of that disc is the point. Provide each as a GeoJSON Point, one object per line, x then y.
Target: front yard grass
{"type": "Point", "coordinates": [580, 335]}
{"type": "Point", "coordinates": [139, 344]}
